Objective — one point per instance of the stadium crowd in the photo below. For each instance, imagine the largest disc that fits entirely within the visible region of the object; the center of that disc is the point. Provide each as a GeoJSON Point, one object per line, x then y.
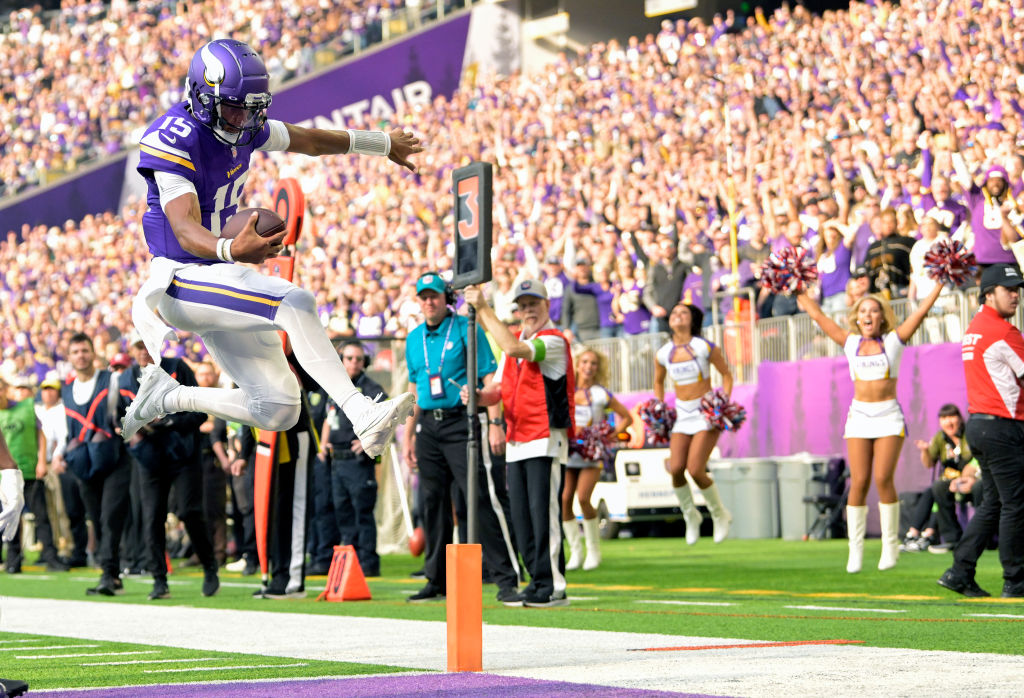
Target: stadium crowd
{"type": "Point", "coordinates": [79, 82]}
{"type": "Point", "coordinates": [804, 124]}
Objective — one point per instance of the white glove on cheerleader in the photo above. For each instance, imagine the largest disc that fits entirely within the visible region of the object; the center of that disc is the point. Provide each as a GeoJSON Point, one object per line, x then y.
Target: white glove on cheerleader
{"type": "Point", "coordinates": [12, 500]}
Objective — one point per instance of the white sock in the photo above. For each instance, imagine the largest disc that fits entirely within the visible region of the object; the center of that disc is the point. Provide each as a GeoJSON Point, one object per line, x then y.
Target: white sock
{"type": "Point", "coordinates": [314, 351]}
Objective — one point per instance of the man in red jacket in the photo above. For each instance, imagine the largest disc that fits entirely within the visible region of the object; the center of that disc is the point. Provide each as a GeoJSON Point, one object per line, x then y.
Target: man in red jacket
{"type": "Point", "coordinates": [535, 370]}
{"type": "Point", "coordinates": [993, 354]}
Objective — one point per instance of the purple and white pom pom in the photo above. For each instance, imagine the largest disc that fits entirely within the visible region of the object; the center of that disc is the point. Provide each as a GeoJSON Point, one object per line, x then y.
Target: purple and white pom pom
{"type": "Point", "coordinates": [722, 413]}
{"type": "Point", "coordinates": [950, 263]}
{"type": "Point", "coordinates": [788, 270]}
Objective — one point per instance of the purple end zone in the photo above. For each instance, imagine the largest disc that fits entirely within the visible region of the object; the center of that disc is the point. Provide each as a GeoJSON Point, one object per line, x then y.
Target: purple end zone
{"type": "Point", "coordinates": [467, 684]}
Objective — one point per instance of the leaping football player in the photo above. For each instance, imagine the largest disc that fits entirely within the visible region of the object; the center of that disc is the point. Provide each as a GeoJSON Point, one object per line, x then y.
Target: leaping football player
{"type": "Point", "coordinates": [195, 160]}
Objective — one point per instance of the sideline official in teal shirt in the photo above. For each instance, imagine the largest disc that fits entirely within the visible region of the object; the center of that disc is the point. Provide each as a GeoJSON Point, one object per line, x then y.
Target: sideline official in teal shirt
{"type": "Point", "coordinates": [436, 354]}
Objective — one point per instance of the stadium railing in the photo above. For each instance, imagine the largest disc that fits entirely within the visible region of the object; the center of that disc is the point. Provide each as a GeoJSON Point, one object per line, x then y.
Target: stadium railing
{"type": "Point", "coordinates": [746, 342]}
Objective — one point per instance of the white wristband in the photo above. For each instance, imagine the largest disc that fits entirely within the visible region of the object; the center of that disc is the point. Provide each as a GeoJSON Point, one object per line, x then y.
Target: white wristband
{"type": "Point", "coordinates": [224, 250]}
{"type": "Point", "coordinates": [369, 142]}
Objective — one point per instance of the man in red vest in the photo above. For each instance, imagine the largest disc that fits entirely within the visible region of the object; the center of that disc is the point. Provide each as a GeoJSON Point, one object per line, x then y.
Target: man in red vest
{"type": "Point", "coordinates": [534, 381]}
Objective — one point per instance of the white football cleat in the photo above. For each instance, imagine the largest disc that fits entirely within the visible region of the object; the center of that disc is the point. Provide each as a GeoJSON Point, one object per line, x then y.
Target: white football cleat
{"type": "Point", "coordinates": [148, 404]}
{"type": "Point", "coordinates": [375, 425]}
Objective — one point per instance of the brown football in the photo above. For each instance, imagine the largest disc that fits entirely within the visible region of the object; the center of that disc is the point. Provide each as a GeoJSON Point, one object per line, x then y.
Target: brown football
{"type": "Point", "coordinates": [268, 223]}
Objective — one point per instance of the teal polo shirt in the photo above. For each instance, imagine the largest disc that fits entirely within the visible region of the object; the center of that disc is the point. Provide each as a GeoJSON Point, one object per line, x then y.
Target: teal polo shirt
{"type": "Point", "coordinates": [454, 366]}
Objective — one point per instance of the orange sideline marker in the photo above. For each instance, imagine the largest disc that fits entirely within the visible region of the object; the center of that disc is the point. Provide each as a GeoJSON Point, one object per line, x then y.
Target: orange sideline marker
{"type": "Point", "coordinates": [345, 580]}
{"type": "Point", "coordinates": [465, 607]}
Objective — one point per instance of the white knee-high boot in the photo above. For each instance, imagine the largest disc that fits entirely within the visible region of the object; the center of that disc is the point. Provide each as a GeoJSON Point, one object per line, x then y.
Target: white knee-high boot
{"type": "Point", "coordinates": [592, 534]}
{"type": "Point", "coordinates": [720, 516]}
{"type": "Point", "coordinates": [691, 516]}
{"type": "Point", "coordinates": [889, 518]}
{"type": "Point", "coordinates": [572, 536]}
{"type": "Point", "coordinates": [856, 525]}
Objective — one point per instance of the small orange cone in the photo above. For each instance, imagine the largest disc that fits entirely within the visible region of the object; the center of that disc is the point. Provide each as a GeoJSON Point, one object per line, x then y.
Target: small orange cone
{"type": "Point", "coordinates": [345, 580]}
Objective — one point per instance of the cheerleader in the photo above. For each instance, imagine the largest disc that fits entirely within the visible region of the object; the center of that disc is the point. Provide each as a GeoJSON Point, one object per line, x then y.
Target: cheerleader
{"type": "Point", "coordinates": [875, 427]}
{"type": "Point", "coordinates": [687, 360]}
{"type": "Point", "coordinates": [593, 400]}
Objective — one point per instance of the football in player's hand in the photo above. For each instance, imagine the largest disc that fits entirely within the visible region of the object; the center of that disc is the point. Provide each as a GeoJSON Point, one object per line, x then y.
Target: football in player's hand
{"type": "Point", "coordinates": [268, 223]}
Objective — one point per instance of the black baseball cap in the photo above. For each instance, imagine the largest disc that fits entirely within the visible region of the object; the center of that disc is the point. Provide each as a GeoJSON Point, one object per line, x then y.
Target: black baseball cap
{"type": "Point", "coordinates": [1007, 275]}
{"type": "Point", "coordinates": [860, 272]}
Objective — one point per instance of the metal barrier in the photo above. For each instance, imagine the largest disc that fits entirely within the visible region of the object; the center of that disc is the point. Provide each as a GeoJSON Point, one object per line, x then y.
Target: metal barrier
{"type": "Point", "coordinates": [745, 341]}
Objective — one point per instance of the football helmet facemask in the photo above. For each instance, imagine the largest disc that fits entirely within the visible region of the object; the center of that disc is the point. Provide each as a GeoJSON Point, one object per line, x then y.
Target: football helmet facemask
{"type": "Point", "coordinates": [228, 89]}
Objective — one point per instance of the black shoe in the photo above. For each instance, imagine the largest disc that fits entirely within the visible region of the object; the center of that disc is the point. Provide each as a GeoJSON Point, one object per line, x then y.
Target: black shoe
{"type": "Point", "coordinates": [427, 593]}
{"type": "Point", "coordinates": [1013, 590]}
{"type": "Point", "coordinates": [418, 574]}
{"type": "Point", "coordinates": [969, 588]}
{"type": "Point", "coordinates": [56, 565]}
{"type": "Point", "coordinates": [541, 602]}
{"type": "Point", "coordinates": [318, 570]}
{"type": "Point", "coordinates": [282, 595]}
{"type": "Point", "coordinates": [13, 687]}
{"type": "Point", "coordinates": [13, 569]}
{"type": "Point", "coordinates": [74, 561]}
{"type": "Point", "coordinates": [53, 563]}
{"type": "Point", "coordinates": [510, 596]}
{"type": "Point", "coordinates": [251, 568]}
{"type": "Point", "coordinates": [160, 590]}
{"type": "Point", "coordinates": [108, 586]}
{"type": "Point", "coordinates": [211, 582]}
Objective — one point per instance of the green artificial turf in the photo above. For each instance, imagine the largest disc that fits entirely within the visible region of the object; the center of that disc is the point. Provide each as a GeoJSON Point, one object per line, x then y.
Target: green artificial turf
{"type": "Point", "coordinates": [61, 662]}
{"type": "Point", "coordinates": [761, 580]}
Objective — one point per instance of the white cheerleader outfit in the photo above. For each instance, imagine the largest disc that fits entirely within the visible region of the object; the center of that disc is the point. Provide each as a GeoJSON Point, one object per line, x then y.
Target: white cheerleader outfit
{"type": "Point", "coordinates": [689, 419]}
{"type": "Point", "coordinates": [874, 420]}
{"type": "Point", "coordinates": [587, 415]}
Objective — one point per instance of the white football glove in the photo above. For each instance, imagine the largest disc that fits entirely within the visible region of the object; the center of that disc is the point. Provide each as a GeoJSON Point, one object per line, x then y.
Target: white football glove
{"type": "Point", "coordinates": [12, 500]}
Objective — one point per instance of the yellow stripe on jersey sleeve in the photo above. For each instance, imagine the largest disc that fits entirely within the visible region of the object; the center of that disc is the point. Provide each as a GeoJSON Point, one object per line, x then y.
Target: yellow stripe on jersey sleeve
{"type": "Point", "coordinates": [167, 156]}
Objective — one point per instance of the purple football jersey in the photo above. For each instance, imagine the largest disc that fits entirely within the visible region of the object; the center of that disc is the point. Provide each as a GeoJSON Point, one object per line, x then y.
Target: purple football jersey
{"type": "Point", "coordinates": [179, 144]}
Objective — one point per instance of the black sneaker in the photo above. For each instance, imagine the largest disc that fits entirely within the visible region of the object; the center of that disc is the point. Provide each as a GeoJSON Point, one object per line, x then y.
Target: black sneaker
{"type": "Point", "coordinates": [541, 602]}
{"type": "Point", "coordinates": [54, 564]}
{"type": "Point", "coordinates": [251, 568]}
{"type": "Point", "coordinates": [418, 574]}
{"type": "Point", "coordinates": [969, 588]}
{"type": "Point", "coordinates": [427, 593]}
{"type": "Point", "coordinates": [510, 596]}
{"type": "Point", "coordinates": [1013, 590]}
{"type": "Point", "coordinates": [160, 590]}
{"type": "Point", "coordinates": [321, 569]}
{"type": "Point", "coordinates": [108, 586]}
{"type": "Point", "coordinates": [211, 582]}
{"type": "Point", "coordinates": [13, 687]}
{"type": "Point", "coordinates": [278, 595]}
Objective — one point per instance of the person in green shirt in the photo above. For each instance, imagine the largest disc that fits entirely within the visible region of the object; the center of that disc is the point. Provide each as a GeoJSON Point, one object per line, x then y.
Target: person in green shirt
{"type": "Point", "coordinates": [27, 446]}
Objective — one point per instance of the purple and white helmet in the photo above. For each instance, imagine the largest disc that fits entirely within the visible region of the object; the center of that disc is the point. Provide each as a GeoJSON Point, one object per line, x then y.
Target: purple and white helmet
{"type": "Point", "coordinates": [228, 89]}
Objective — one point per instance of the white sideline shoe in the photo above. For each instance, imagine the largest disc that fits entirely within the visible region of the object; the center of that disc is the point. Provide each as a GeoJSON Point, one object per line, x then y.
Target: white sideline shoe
{"type": "Point", "coordinates": [154, 385]}
{"type": "Point", "coordinates": [375, 426]}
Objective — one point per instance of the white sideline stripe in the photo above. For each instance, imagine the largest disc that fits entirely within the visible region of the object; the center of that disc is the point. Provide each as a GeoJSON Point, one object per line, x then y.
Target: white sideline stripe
{"type": "Point", "coordinates": [584, 598]}
{"type": "Point", "coordinates": [223, 668]}
{"type": "Point", "coordinates": [154, 661]}
{"type": "Point", "coordinates": [598, 657]}
{"type": "Point", "coordinates": [688, 603]}
{"type": "Point", "coordinates": [992, 615]}
{"type": "Point", "coordinates": [9, 642]}
{"type": "Point", "coordinates": [47, 647]}
{"type": "Point", "coordinates": [85, 654]}
{"type": "Point", "coordinates": [840, 608]}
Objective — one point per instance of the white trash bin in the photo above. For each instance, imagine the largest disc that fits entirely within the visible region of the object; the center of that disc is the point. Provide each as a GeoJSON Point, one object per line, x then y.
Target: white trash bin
{"type": "Point", "coordinates": [750, 491]}
{"type": "Point", "coordinates": [796, 480]}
